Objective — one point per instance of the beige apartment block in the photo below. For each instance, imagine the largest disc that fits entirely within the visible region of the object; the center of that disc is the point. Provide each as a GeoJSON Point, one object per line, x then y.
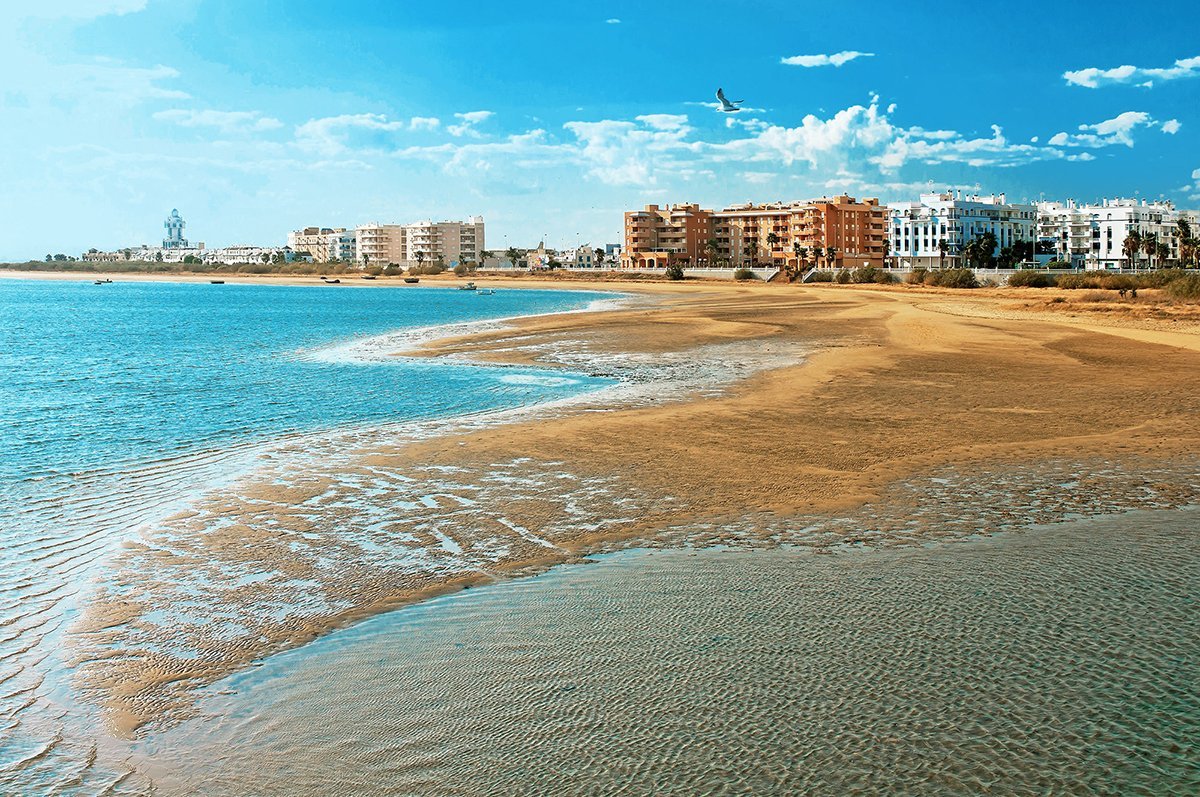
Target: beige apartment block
{"type": "Point", "coordinates": [448, 242]}
{"type": "Point", "coordinates": [380, 244]}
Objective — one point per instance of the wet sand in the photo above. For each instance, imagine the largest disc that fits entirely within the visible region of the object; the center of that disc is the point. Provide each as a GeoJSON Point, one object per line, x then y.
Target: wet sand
{"type": "Point", "coordinates": [759, 408]}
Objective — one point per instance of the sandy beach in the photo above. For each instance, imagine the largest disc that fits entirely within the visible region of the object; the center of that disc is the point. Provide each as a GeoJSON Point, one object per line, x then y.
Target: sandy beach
{"type": "Point", "coordinates": [754, 410]}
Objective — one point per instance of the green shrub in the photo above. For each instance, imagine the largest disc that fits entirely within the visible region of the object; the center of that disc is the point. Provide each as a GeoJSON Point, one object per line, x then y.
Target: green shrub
{"type": "Point", "coordinates": [1030, 279]}
{"type": "Point", "coordinates": [1185, 288]}
{"type": "Point", "coordinates": [1059, 264]}
{"type": "Point", "coordinates": [742, 274]}
{"type": "Point", "coordinates": [917, 276]}
{"type": "Point", "coordinates": [392, 270]}
{"type": "Point", "coordinates": [843, 277]}
{"type": "Point", "coordinates": [952, 278]}
{"type": "Point", "coordinates": [821, 276]}
{"type": "Point", "coordinates": [675, 272]}
{"type": "Point", "coordinates": [865, 274]}
{"type": "Point", "coordinates": [428, 268]}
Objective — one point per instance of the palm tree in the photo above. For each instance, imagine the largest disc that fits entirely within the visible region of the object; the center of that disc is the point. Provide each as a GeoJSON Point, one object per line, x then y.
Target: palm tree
{"type": "Point", "coordinates": [712, 247]}
{"type": "Point", "coordinates": [943, 248]}
{"type": "Point", "coordinates": [1162, 251]}
{"type": "Point", "coordinates": [1131, 246]}
{"type": "Point", "coordinates": [1185, 241]}
{"type": "Point", "coordinates": [1150, 246]}
{"type": "Point", "coordinates": [796, 250]}
{"type": "Point", "coordinates": [772, 242]}
{"type": "Point", "coordinates": [512, 254]}
{"type": "Point", "coordinates": [831, 256]}
{"type": "Point", "coordinates": [817, 254]}
{"type": "Point", "coordinates": [420, 258]}
{"type": "Point", "coordinates": [751, 251]}
{"type": "Point", "coordinates": [987, 247]}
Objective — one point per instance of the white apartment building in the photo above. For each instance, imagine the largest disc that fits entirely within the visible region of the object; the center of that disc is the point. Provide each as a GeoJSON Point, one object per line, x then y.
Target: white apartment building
{"type": "Point", "coordinates": [325, 244]}
{"type": "Point", "coordinates": [914, 228]}
{"type": "Point", "coordinates": [1093, 236]}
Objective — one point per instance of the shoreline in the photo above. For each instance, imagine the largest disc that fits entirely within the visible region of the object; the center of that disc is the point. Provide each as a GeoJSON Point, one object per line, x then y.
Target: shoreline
{"type": "Point", "coordinates": [821, 436]}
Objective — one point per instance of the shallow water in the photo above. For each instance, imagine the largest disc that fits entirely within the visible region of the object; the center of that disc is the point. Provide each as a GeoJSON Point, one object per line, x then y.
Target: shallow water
{"type": "Point", "coordinates": [122, 404]}
{"type": "Point", "coordinates": [1060, 661]}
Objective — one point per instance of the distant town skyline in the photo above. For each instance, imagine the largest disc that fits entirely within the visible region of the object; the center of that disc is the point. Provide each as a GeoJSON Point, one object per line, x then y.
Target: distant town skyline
{"type": "Point", "coordinates": [259, 118]}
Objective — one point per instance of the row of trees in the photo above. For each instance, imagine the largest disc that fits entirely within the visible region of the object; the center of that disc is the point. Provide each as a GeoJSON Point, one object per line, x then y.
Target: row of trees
{"type": "Point", "coordinates": [804, 255]}
{"type": "Point", "coordinates": [1157, 252]}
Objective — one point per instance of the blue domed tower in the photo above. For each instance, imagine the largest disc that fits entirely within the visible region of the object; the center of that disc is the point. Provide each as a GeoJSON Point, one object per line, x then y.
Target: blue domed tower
{"type": "Point", "coordinates": [174, 226]}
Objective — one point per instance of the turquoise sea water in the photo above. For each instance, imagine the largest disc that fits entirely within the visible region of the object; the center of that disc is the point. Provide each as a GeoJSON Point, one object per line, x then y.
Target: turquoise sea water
{"type": "Point", "coordinates": [92, 375]}
{"type": "Point", "coordinates": [120, 403]}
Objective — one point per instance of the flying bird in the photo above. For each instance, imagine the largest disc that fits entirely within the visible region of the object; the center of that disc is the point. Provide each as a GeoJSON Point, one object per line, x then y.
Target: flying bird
{"type": "Point", "coordinates": [726, 105]}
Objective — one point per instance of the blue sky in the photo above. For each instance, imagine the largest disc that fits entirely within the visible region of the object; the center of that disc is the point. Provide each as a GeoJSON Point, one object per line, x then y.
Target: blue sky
{"type": "Point", "coordinates": [254, 118]}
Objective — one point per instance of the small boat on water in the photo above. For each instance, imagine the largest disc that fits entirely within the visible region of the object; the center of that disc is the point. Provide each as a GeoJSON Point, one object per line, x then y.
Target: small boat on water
{"type": "Point", "coordinates": [470, 286]}
{"type": "Point", "coordinates": [103, 282]}
{"type": "Point", "coordinates": [368, 276]}
{"type": "Point", "coordinates": [216, 282]}
{"type": "Point", "coordinates": [412, 280]}
{"type": "Point", "coordinates": [486, 292]}
{"type": "Point", "coordinates": [333, 282]}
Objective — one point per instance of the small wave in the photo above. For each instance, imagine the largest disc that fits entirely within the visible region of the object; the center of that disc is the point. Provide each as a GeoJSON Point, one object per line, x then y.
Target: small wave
{"type": "Point", "coordinates": [376, 349]}
{"type": "Point", "coordinates": [538, 379]}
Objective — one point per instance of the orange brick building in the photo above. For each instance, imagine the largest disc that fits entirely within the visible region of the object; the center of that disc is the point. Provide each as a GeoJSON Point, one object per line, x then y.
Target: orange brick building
{"type": "Point", "coordinates": [777, 234]}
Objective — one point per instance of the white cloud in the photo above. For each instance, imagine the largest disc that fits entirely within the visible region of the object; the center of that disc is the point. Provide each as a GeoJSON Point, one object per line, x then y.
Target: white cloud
{"type": "Point", "coordinates": [1094, 77]}
{"type": "Point", "coordinates": [663, 148]}
{"type": "Point", "coordinates": [1110, 132]}
{"type": "Point", "coordinates": [424, 123]}
{"type": "Point", "coordinates": [814, 141]}
{"type": "Point", "coordinates": [225, 121]}
{"type": "Point", "coordinates": [632, 153]}
{"type": "Point", "coordinates": [835, 59]}
{"type": "Point", "coordinates": [613, 21]}
{"type": "Point", "coordinates": [663, 121]}
{"type": "Point", "coordinates": [335, 134]}
{"type": "Point", "coordinates": [468, 120]}
{"type": "Point", "coordinates": [995, 150]}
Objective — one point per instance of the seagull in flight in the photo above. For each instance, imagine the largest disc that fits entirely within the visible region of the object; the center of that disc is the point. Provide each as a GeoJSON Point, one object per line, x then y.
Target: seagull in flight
{"type": "Point", "coordinates": [726, 105]}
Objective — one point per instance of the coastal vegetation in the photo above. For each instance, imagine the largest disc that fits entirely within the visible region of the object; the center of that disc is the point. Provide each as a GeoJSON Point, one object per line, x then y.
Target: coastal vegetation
{"type": "Point", "coordinates": [947, 278]}
{"type": "Point", "coordinates": [1030, 279]}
